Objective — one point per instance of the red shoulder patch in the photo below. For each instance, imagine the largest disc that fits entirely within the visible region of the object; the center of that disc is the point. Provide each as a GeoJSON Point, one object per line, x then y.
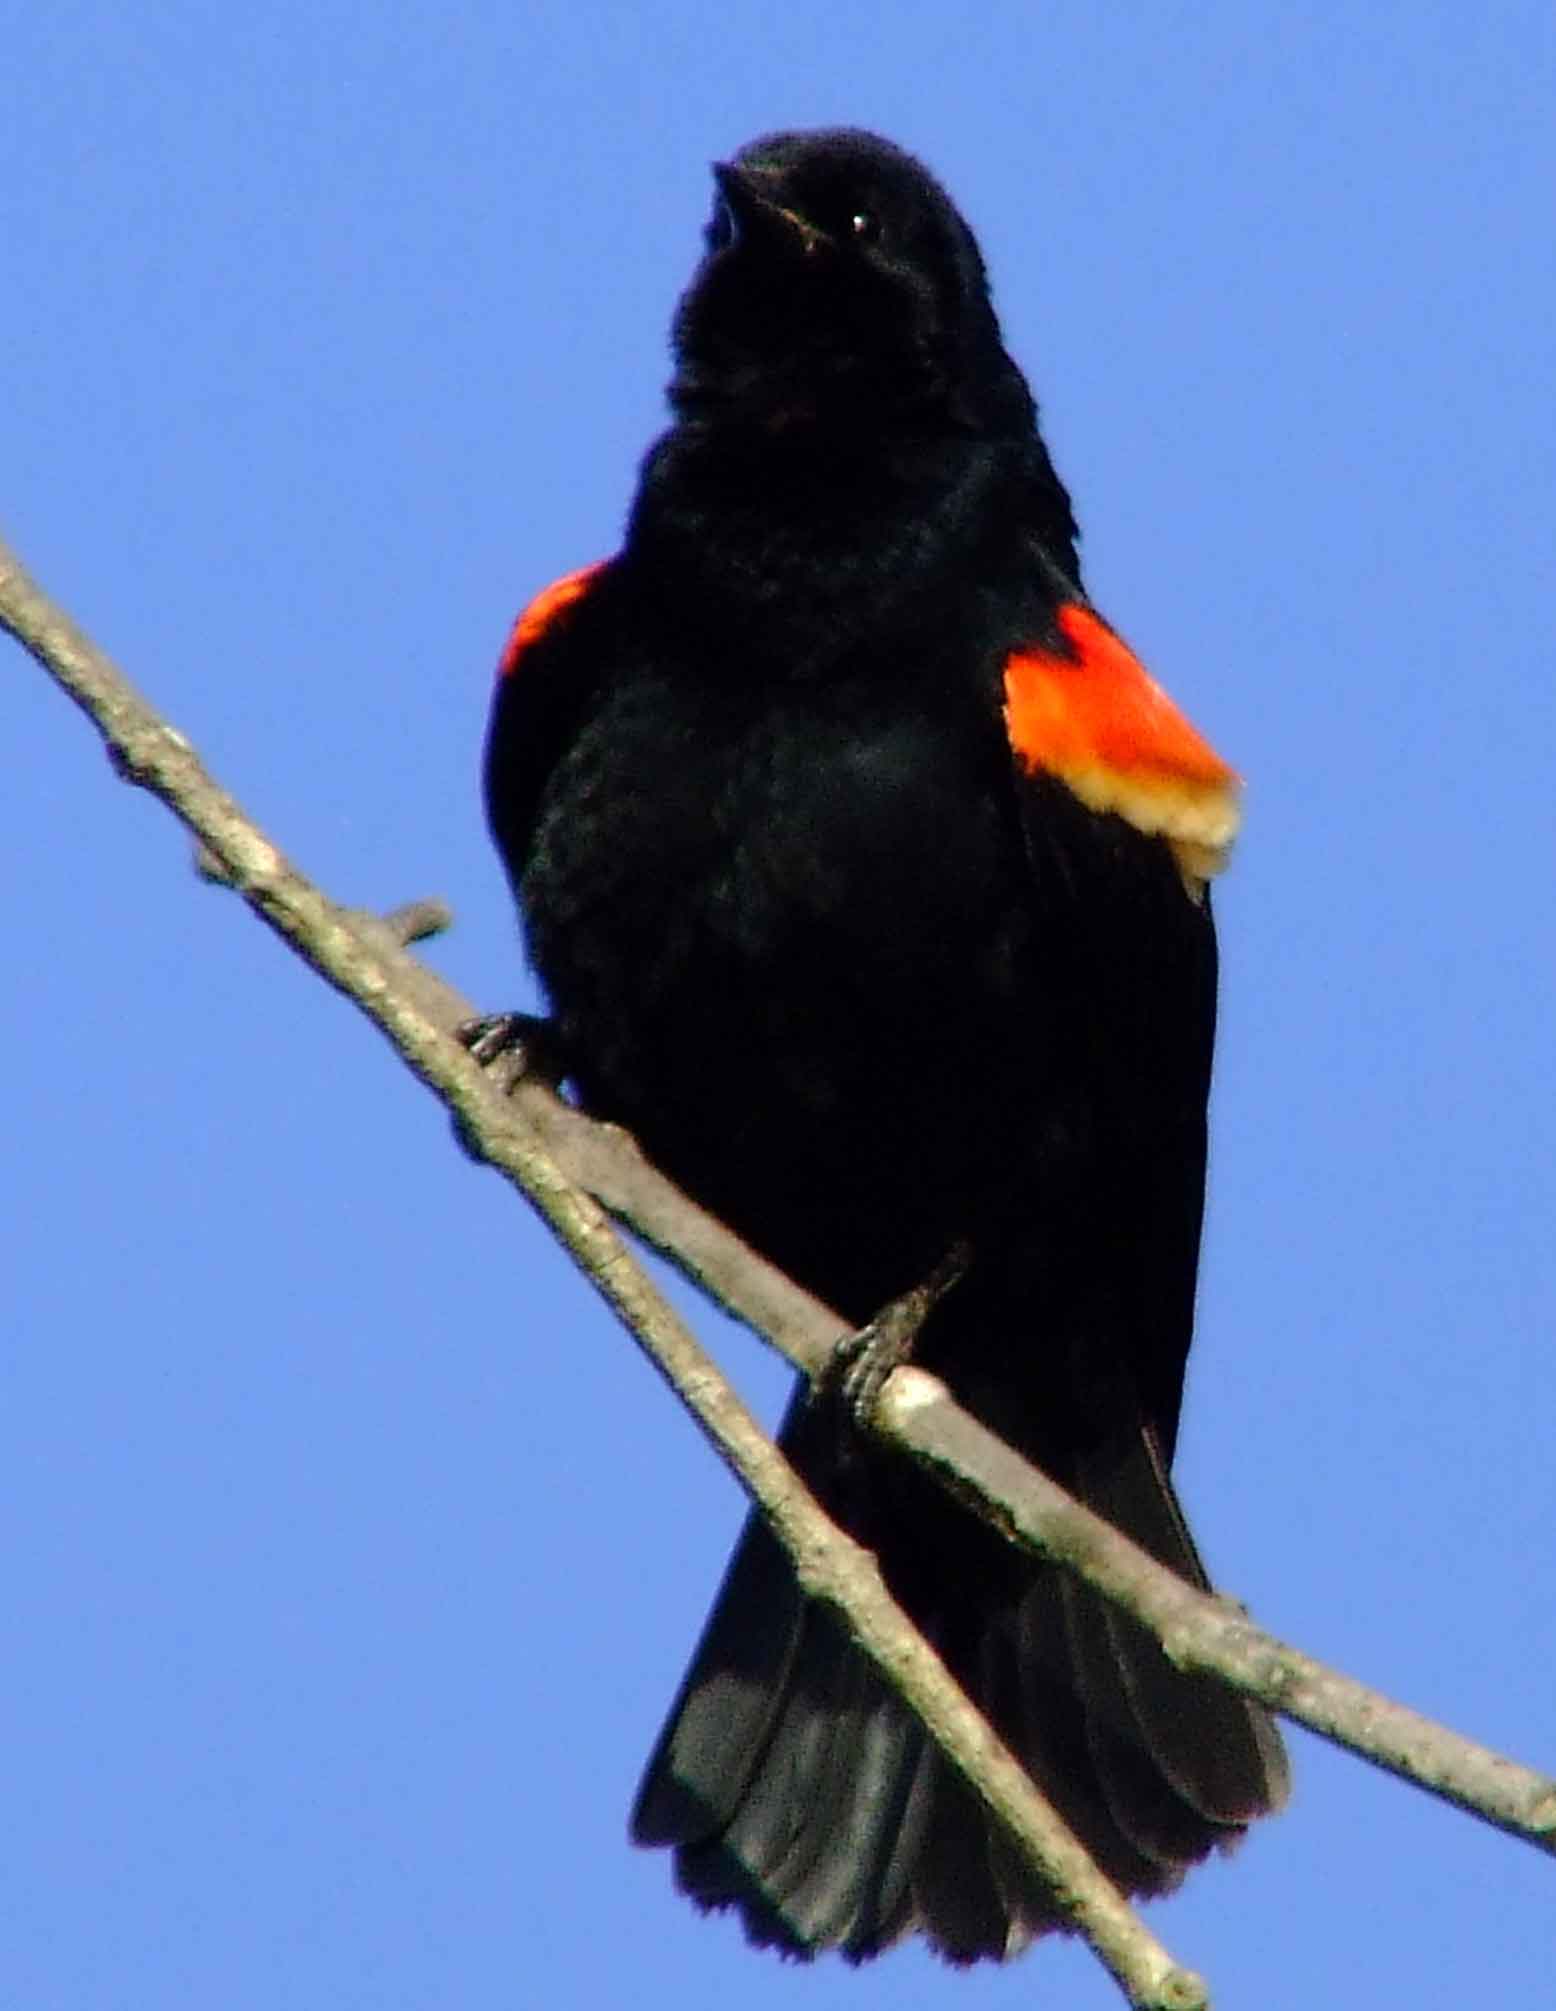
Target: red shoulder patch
{"type": "Point", "coordinates": [543, 610]}
{"type": "Point", "coordinates": [1092, 716]}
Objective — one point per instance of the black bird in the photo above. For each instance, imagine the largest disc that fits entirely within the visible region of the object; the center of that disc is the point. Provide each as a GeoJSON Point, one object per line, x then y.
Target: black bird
{"type": "Point", "coordinates": [865, 870]}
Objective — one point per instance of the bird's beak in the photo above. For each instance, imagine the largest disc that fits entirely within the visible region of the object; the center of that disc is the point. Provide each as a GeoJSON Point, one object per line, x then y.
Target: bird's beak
{"type": "Point", "coordinates": [758, 217]}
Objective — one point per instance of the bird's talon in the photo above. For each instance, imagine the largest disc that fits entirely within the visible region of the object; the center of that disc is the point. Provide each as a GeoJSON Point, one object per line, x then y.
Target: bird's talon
{"type": "Point", "coordinates": [529, 1045]}
{"type": "Point", "coordinates": [862, 1361]}
{"type": "Point", "coordinates": [870, 1356]}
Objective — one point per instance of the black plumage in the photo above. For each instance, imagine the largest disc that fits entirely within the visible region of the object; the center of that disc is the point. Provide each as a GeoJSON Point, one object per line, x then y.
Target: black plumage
{"type": "Point", "coordinates": [869, 978]}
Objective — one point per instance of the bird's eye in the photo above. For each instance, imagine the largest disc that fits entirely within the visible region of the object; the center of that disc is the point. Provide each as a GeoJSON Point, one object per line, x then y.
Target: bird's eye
{"type": "Point", "coordinates": [864, 226]}
{"type": "Point", "coordinates": [721, 231]}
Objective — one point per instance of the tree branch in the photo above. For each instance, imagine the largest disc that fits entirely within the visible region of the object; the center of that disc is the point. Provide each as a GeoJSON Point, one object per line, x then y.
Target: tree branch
{"type": "Point", "coordinates": [574, 1170]}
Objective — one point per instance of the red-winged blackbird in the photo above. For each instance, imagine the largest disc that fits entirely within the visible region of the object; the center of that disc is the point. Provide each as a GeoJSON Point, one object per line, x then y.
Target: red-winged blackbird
{"type": "Point", "coordinates": [865, 870]}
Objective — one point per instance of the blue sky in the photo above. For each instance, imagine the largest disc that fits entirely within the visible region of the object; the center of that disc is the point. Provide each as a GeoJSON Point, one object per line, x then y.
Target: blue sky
{"type": "Point", "coordinates": [351, 1553]}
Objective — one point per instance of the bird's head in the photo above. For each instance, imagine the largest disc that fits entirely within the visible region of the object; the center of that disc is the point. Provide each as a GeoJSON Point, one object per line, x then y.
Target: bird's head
{"type": "Point", "coordinates": [839, 285]}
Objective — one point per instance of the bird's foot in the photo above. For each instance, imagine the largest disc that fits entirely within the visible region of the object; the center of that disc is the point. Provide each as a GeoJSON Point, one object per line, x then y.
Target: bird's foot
{"type": "Point", "coordinates": [862, 1361]}
{"type": "Point", "coordinates": [528, 1046]}
{"type": "Point", "coordinates": [513, 1047]}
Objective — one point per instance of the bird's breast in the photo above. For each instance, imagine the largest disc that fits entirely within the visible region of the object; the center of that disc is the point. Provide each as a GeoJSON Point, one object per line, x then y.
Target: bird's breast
{"type": "Point", "coordinates": [792, 937]}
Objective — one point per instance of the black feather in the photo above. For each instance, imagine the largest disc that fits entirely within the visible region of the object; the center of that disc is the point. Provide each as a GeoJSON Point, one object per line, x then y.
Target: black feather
{"type": "Point", "coordinates": [866, 988]}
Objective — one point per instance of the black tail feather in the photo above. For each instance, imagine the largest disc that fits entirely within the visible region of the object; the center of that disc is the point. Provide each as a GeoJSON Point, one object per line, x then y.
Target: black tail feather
{"type": "Point", "coordinates": [795, 1786]}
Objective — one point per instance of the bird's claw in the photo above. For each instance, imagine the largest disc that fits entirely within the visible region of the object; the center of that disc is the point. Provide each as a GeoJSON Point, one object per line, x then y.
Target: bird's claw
{"type": "Point", "coordinates": [530, 1046]}
{"type": "Point", "coordinates": [862, 1362]}
{"type": "Point", "coordinates": [528, 1050]}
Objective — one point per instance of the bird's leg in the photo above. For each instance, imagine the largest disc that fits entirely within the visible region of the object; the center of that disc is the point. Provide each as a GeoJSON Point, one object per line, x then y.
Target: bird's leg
{"type": "Point", "coordinates": [861, 1362]}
